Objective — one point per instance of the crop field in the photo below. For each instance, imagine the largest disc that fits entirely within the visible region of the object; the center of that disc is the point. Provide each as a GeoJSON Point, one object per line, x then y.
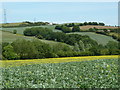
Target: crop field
{"type": "Point", "coordinates": [99, 27]}
{"type": "Point", "coordinates": [72, 72]}
{"type": "Point", "coordinates": [101, 39]}
{"type": "Point", "coordinates": [87, 27]}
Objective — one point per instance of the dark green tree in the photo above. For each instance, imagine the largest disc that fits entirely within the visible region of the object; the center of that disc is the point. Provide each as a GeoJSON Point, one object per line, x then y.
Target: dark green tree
{"type": "Point", "coordinates": [8, 53]}
{"type": "Point", "coordinates": [14, 31]}
{"type": "Point", "coordinates": [66, 29]}
{"type": "Point", "coordinates": [76, 29]}
{"type": "Point", "coordinates": [24, 48]}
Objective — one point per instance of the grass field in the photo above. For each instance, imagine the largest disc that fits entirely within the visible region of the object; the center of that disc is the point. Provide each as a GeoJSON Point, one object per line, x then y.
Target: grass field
{"type": "Point", "coordinates": [9, 37]}
{"type": "Point", "coordinates": [72, 72]}
{"type": "Point", "coordinates": [21, 29]}
{"type": "Point", "coordinates": [101, 39]}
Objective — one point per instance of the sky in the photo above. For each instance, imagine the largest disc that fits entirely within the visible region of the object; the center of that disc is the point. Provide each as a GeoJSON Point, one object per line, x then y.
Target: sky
{"type": "Point", "coordinates": [62, 12]}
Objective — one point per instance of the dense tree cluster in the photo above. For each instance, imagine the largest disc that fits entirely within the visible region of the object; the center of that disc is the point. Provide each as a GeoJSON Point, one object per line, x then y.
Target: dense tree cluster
{"type": "Point", "coordinates": [45, 33]}
{"type": "Point", "coordinates": [25, 49]}
{"type": "Point", "coordinates": [66, 29]}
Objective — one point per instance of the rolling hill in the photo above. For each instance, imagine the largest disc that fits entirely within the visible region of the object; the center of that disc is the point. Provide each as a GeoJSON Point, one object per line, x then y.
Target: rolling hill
{"type": "Point", "coordinates": [9, 37]}
{"type": "Point", "coordinates": [101, 39]}
{"type": "Point", "coordinates": [21, 29]}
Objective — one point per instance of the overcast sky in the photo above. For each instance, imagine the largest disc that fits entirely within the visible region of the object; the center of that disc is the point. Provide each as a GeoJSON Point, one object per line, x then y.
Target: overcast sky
{"type": "Point", "coordinates": [62, 12]}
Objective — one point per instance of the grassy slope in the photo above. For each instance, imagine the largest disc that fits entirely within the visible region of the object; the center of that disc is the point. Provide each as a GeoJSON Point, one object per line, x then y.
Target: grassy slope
{"type": "Point", "coordinates": [101, 39]}
{"type": "Point", "coordinates": [9, 37]}
{"type": "Point", "coordinates": [21, 29]}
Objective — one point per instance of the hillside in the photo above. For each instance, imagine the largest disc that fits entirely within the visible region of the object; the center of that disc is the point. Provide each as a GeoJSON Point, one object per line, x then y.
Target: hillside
{"type": "Point", "coordinates": [9, 37]}
{"type": "Point", "coordinates": [101, 39]}
{"type": "Point", "coordinates": [21, 29]}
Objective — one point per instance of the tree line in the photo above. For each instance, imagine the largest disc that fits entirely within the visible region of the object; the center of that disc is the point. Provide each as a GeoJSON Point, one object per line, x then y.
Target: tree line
{"type": "Point", "coordinates": [78, 45]}
{"type": "Point", "coordinates": [84, 24]}
{"type": "Point", "coordinates": [35, 49]}
{"type": "Point", "coordinates": [66, 29]}
{"type": "Point", "coordinates": [25, 24]}
{"type": "Point", "coordinates": [48, 34]}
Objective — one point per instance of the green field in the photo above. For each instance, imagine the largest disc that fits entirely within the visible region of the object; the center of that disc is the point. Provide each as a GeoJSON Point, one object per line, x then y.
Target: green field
{"type": "Point", "coordinates": [100, 73]}
{"type": "Point", "coordinates": [101, 39]}
{"type": "Point", "coordinates": [21, 29]}
{"type": "Point", "coordinates": [9, 37]}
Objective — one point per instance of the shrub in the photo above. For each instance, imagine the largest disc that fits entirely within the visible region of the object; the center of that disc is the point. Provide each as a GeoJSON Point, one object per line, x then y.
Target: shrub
{"type": "Point", "coordinates": [14, 31]}
{"type": "Point", "coordinates": [76, 29]}
{"type": "Point", "coordinates": [9, 53]}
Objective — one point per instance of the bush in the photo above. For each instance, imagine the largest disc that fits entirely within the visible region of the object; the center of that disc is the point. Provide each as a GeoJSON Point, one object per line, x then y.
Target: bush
{"type": "Point", "coordinates": [9, 53]}
{"type": "Point", "coordinates": [66, 29]}
{"type": "Point", "coordinates": [76, 29]}
{"type": "Point", "coordinates": [86, 53]}
{"type": "Point", "coordinates": [14, 31]}
{"type": "Point", "coordinates": [59, 27]}
{"type": "Point", "coordinates": [92, 30]}
{"type": "Point", "coordinates": [51, 55]}
{"type": "Point", "coordinates": [104, 52]}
